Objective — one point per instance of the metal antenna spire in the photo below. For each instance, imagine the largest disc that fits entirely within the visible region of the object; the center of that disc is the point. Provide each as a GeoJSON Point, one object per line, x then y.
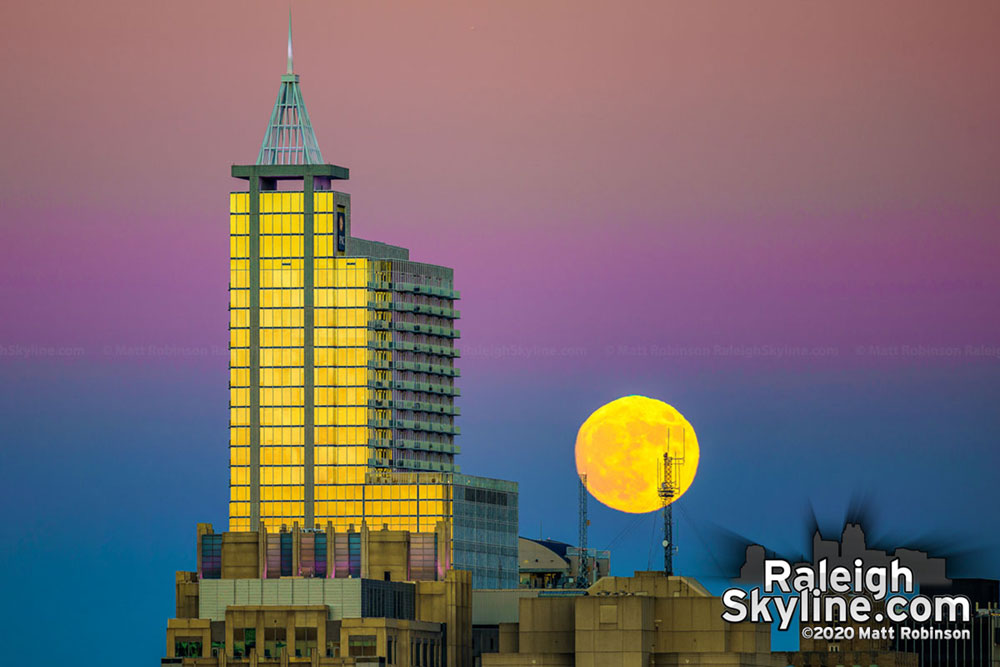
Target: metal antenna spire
{"type": "Point", "coordinates": [290, 70]}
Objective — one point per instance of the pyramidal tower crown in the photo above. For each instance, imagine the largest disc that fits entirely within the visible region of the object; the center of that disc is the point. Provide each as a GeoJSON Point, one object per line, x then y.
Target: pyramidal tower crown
{"type": "Point", "coordinates": [289, 138]}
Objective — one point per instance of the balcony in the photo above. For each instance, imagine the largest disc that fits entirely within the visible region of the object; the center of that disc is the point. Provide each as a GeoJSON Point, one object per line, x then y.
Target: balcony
{"type": "Point", "coordinates": [411, 327]}
{"type": "Point", "coordinates": [419, 309]}
{"type": "Point", "coordinates": [415, 367]}
{"type": "Point", "coordinates": [415, 406]}
{"type": "Point", "coordinates": [414, 425]}
{"type": "Point", "coordinates": [424, 466]}
{"type": "Point", "coordinates": [408, 346]}
{"type": "Point", "coordinates": [429, 290]}
{"type": "Point", "coordinates": [417, 445]}
{"type": "Point", "coordinates": [427, 387]}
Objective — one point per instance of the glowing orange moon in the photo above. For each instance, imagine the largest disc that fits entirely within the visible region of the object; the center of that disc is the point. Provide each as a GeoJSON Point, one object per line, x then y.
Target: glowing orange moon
{"type": "Point", "coordinates": [621, 446]}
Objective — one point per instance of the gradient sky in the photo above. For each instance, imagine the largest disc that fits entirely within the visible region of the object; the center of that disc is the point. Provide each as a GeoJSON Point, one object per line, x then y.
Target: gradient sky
{"type": "Point", "coordinates": [779, 217]}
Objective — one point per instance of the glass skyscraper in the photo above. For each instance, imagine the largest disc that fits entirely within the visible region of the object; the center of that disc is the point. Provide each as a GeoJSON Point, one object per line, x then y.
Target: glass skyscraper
{"type": "Point", "coordinates": [343, 367]}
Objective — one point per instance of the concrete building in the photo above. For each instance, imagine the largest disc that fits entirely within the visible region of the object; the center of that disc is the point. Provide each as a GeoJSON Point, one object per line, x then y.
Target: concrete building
{"type": "Point", "coordinates": [553, 564]}
{"type": "Point", "coordinates": [343, 367]}
{"type": "Point", "coordinates": [543, 565]}
{"type": "Point", "coordinates": [355, 602]}
{"type": "Point", "coordinates": [628, 622]}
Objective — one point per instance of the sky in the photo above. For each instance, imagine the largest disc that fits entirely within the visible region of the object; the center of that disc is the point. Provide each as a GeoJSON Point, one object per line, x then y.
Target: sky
{"type": "Point", "coordinates": [778, 217]}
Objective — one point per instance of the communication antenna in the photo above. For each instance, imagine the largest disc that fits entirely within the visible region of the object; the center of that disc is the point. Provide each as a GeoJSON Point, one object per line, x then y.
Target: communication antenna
{"type": "Point", "coordinates": [669, 477]}
{"type": "Point", "coordinates": [583, 568]}
{"type": "Point", "coordinates": [290, 69]}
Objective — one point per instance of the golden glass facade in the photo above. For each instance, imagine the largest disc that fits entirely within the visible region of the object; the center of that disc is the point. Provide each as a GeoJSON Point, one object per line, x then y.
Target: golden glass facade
{"type": "Point", "coordinates": [314, 426]}
{"type": "Point", "coordinates": [342, 376]}
{"type": "Point", "coordinates": [239, 361]}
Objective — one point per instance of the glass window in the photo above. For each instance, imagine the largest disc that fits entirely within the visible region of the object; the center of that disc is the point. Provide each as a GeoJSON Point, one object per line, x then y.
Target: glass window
{"type": "Point", "coordinates": [187, 647]}
{"type": "Point", "coordinates": [361, 645]}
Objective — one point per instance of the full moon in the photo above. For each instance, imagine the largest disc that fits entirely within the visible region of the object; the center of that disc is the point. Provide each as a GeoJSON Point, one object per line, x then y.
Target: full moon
{"type": "Point", "coordinates": [620, 449]}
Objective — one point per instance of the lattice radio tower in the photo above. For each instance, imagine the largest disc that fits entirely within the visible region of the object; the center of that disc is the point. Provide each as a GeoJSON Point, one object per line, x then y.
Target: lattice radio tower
{"type": "Point", "coordinates": [669, 477]}
{"type": "Point", "coordinates": [583, 570]}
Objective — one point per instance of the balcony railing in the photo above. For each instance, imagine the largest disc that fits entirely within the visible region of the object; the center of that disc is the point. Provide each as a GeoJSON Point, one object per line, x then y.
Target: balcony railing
{"type": "Point", "coordinates": [409, 346]}
{"type": "Point", "coordinates": [415, 406]}
{"type": "Point", "coordinates": [427, 466]}
{"type": "Point", "coordinates": [430, 290]}
{"type": "Point", "coordinates": [413, 327]}
{"type": "Point", "coordinates": [415, 366]}
{"type": "Point", "coordinates": [416, 445]}
{"type": "Point", "coordinates": [414, 425]}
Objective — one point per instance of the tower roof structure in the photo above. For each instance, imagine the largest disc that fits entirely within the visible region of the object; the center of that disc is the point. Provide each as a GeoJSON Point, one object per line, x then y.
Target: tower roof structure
{"type": "Point", "coordinates": [289, 138]}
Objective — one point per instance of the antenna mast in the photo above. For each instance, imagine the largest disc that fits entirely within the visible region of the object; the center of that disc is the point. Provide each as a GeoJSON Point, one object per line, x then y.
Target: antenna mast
{"type": "Point", "coordinates": [668, 490]}
{"type": "Point", "coordinates": [583, 567]}
{"type": "Point", "coordinates": [290, 69]}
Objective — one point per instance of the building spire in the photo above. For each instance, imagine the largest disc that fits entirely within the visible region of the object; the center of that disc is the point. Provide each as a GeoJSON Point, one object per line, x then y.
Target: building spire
{"type": "Point", "coordinates": [289, 138]}
{"type": "Point", "coordinates": [290, 69]}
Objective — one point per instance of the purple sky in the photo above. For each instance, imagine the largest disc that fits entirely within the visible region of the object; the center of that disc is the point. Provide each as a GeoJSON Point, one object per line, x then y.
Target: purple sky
{"type": "Point", "coordinates": [633, 195]}
{"type": "Point", "coordinates": [769, 173]}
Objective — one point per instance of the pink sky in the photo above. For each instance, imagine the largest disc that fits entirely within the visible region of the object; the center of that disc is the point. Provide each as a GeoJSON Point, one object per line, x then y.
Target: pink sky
{"type": "Point", "coordinates": [597, 173]}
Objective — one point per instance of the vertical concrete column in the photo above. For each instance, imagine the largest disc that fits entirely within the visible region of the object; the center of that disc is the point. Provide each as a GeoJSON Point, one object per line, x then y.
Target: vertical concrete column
{"type": "Point", "coordinates": [228, 650]}
{"type": "Point", "coordinates": [296, 549]}
{"type": "Point", "coordinates": [261, 551]}
{"type": "Point", "coordinates": [364, 550]}
{"type": "Point", "coordinates": [259, 631]}
{"type": "Point", "coordinates": [308, 277]}
{"type": "Point", "coordinates": [320, 641]}
{"type": "Point", "coordinates": [254, 349]}
{"type": "Point", "coordinates": [331, 556]}
{"type": "Point", "coordinates": [289, 650]}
